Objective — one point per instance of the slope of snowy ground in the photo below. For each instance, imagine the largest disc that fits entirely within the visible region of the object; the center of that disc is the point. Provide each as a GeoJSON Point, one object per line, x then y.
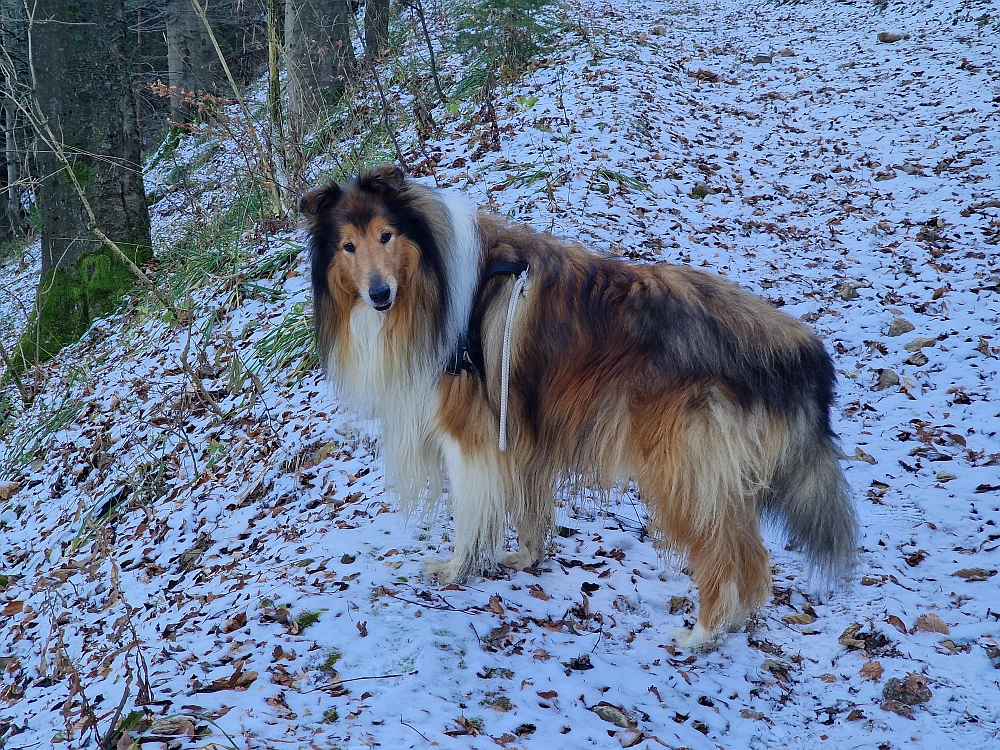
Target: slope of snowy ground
{"type": "Point", "coordinates": [246, 582]}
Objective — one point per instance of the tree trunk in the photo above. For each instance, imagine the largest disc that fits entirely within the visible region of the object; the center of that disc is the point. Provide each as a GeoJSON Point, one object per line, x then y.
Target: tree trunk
{"type": "Point", "coordinates": [318, 55]}
{"type": "Point", "coordinates": [277, 123]}
{"type": "Point", "coordinates": [83, 91]}
{"type": "Point", "coordinates": [192, 64]}
{"type": "Point", "coordinates": [13, 152]}
{"type": "Point", "coordinates": [376, 26]}
{"type": "Point", "coordinates": [11, 214]}
{"type": "Point", "coordinates": [8, 230]}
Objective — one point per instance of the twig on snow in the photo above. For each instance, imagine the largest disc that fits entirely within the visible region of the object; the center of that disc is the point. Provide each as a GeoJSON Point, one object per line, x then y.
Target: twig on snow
{"type": "Point", "coordinates": [413, 728]}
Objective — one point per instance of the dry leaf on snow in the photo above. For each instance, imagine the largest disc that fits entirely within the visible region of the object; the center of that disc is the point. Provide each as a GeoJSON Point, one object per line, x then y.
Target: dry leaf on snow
{"type": "Point", "coordinates": [974, 574]}
{"type": "Point", "coordinates": [799, 618]}
{"type": "Point", "coordinates": [896, 623]}
{"type": "Point", "coordinates": [872, 670]}
{"type": "Point", "coordinates": [931, 623]}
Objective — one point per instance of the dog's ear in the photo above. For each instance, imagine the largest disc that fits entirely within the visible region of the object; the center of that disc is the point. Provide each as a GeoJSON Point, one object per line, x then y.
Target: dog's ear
{"type": "Point", "coordinates": [320, 201]}
{"type": "Point", "coordinates": [385, 178]}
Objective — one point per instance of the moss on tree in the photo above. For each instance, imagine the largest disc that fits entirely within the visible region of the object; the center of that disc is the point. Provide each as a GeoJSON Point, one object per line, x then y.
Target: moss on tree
{"type": "Point", "coordinates": [70, 299]}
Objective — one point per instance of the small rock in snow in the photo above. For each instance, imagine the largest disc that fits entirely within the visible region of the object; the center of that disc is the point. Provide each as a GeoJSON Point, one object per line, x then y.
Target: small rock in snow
{"type": "Point", "coordinates": [910, 691]}
{"type": "Point", "coordinates": [899, 326]}
{"type": "Point", "coordinates": [890, 37]}
{"type": "Point", "coordinates": [920, 342]}
{"type": "Point", "coordinates": [886, 379]}
{"type": "Point", "coordinates": [614, 715]}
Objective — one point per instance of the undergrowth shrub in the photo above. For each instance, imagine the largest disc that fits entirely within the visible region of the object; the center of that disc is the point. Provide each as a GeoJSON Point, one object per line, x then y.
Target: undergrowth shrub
{"type": "Point", "coordinates": [500, 38]}
{"type": "Point", "coordinates": [212, 247]}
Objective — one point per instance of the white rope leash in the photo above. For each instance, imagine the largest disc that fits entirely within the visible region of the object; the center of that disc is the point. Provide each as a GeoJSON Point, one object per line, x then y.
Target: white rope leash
{"type": "Point", "coordinates": [515, 295]}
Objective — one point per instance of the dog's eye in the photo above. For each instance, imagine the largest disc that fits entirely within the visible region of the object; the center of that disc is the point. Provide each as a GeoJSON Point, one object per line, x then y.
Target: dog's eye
{"type": "Point", "coordinates": [386, 236]}
{"type": "Point", "coordinates": [349, 247]}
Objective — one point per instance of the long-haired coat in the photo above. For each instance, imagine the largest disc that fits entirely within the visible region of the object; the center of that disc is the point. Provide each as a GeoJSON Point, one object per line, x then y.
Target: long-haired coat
{"type": "Point", "coordinates": [712, 402]}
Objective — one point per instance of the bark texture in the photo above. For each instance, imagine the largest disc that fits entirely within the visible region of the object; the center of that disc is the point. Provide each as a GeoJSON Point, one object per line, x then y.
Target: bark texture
{"type": "Point", "coordinates": [11, 216]}
{"type": "Point", "coordinates": [13, 149]}
{"type": "Point", "coordinates": [376, 26]}
{"type": "Point", "coordinates": [84, 93]}
{"type": "Point", "coordinates": [193, 65]}
{"type": "Point", "coordinates": [318, 55]}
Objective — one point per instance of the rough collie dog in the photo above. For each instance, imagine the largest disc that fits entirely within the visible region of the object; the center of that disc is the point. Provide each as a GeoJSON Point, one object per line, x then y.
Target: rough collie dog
{"type": "Point", "coordinates": [455, 330]}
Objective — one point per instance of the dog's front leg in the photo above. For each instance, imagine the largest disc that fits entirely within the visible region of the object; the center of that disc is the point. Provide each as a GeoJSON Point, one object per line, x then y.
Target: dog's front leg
{"type": "Point", "coordinates": [532, 509]}
{"type": "Point", "coordinates": [478, 506]}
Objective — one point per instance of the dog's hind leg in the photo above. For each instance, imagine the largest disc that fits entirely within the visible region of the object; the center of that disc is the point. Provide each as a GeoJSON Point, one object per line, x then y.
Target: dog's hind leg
{"type": "Point", "coordinates": [731, 568]}
{"type": "Point", "coordinates": [702, 484]}
{"type": "Point", "coordinates": [478, 507]}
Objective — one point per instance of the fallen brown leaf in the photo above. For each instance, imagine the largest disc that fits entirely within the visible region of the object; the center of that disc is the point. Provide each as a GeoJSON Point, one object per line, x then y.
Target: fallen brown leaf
{"type": "Point", "coordinates": [173, 726]}
{"type": "Point", "coordinates": [799, 618]}
{"type": "Point", "coordinates": [465, 727]}
{"type": "Point", "coordinates": [860, 455]}
{"type": "Point", "coordinates": [931, 623]}
{"type": "Point", "coordinates": [974, 574]}
{"type": "Point", "coordinates": [235, 623]}
{"type": "Point", "coordinates": [896, 623]}
{"type": "Point", "coordinates": [898, 708]}
{"type": "Point", "coordinates": [872, 670]}
{"type": "Point", "coordinates": [915, 558]}
{"type": "Point", "coordinates": [239, 680]}
{"type": "Point", "coordinates": [280, 676]}
{"type": "Point", "coordinates": [847, 637]}
{"type": "Point", "coordinates": [538, 592]}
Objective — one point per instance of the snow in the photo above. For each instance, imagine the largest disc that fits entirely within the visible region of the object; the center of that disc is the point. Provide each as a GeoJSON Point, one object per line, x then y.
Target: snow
{"type": "Point", "coordinates": [851, 183]}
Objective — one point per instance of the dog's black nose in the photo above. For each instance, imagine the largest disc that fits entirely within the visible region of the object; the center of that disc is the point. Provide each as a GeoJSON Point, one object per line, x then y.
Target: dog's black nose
{"type": "Point", "coordinates": [380, 295]}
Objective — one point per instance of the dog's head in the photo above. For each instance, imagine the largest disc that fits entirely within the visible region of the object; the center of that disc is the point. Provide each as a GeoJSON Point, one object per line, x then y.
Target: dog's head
{"type": "Point", "coordinates": [364, 236]}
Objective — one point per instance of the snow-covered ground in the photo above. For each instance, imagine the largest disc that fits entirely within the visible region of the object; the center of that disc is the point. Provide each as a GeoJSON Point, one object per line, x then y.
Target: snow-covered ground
{"type": "Point", "coordinates": [167, 565]}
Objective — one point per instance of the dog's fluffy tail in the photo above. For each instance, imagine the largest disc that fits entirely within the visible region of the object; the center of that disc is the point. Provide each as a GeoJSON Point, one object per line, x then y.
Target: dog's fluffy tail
{"type": "Point", "coordinates": [810, 497]}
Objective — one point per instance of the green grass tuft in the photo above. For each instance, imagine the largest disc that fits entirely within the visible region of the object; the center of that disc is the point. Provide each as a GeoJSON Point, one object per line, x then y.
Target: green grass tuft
{"type": "Point", "coordinates": [212, 249]}
{"type": "Point", "coordinates": [308, 618]}
{"type": "Point", "coordinates": [332, 657]}
{"type": "Point", "coordinates": [287, 345]}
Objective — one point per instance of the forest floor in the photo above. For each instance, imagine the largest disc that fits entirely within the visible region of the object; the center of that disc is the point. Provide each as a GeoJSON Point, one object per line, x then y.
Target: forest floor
{"type": "Point", "coordinates": [245, 581]}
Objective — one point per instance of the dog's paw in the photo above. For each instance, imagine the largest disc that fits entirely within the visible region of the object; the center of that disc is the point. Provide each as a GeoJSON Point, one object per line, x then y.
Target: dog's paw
{"type": "Point", "coordinates": [519, 560]}
{"type": "Point", "coordinates": [442, 571]}
{"type": "Point", "coordinates": [696, 639]}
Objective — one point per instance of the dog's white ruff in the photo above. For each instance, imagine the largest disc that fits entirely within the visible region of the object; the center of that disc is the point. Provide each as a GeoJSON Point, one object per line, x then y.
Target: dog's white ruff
{"type": "Point", "coordinates": [402, 396]}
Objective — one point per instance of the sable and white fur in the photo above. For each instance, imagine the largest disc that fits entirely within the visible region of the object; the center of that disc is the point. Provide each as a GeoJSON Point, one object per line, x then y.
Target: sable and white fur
{"type": "Point", "coordinates": [712, 402]}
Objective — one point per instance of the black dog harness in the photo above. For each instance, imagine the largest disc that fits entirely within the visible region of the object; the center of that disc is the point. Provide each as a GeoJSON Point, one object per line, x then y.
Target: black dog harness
{"type": "Point", "coordinates": [467, 356]}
